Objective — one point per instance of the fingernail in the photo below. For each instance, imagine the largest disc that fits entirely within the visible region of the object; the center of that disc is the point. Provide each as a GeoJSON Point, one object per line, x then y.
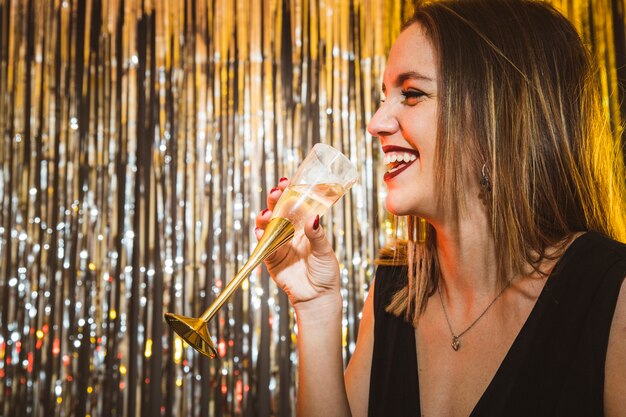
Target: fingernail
{"type": "Point", "coordinates": [316, 223]}
{"type": "Point", "coordinates": [282, 179]}
{"type": "Point", "coordinates": [273, 189]}
{"type": "Point", "coordinates": [264, 211]}
{"type": "Point", "coordinates": [257, 229]}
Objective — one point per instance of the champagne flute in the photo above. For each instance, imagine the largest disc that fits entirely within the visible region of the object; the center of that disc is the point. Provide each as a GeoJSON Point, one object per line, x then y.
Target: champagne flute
{"type": "Point", "coordinates": [321, 179]}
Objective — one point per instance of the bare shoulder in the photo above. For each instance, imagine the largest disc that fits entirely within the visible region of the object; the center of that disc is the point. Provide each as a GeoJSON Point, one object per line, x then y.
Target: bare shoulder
{"type": "Point", "coordinates": [615, 366]}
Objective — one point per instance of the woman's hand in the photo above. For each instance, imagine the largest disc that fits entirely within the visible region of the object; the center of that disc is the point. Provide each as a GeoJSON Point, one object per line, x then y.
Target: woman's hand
{"type": "Point", "coordinates": [305, 268]}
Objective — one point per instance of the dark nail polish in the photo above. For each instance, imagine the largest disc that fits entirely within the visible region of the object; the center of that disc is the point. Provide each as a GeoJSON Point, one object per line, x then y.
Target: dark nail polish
{"type": "Point", "coordinates": [273, 189]}
{"type": "Point", "coordinates": [282, 179]}
{"type": "Point", "coordinates": [264, 211]}
{"type": "Point", "coordinates": [316, 223]}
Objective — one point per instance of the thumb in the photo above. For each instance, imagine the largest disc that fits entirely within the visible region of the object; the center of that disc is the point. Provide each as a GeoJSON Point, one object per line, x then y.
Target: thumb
{"type": "Point", "coordinates": [320, 246]}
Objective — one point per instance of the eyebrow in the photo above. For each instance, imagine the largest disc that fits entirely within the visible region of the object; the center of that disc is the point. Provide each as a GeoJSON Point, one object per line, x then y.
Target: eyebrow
{"type": "Point", "coordinates": [410, 75]}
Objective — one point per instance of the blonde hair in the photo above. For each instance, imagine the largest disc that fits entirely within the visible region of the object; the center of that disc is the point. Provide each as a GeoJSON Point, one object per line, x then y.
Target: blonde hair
{"type": "Point", "coordinates": [518, 93]}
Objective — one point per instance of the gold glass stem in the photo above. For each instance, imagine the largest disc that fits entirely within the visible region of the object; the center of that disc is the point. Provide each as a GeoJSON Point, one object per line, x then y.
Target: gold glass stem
{"type": "Point", "coordinates": [278, 232]}
{"type": "Point", "coordinates": [195, 331]}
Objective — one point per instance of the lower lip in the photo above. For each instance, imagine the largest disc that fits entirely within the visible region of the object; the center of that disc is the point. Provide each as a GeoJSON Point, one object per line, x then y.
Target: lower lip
{"type": "Point", "coordinates": [390, 175]}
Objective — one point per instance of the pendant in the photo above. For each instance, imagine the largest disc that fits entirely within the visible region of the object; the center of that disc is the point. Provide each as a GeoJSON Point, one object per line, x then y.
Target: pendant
{"type": "Point", "coordinates": [456, 343]}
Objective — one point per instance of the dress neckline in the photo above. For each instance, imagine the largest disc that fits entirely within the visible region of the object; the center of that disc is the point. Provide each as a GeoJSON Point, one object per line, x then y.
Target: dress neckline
{"type": "Point", "coordinates": [508, 363]}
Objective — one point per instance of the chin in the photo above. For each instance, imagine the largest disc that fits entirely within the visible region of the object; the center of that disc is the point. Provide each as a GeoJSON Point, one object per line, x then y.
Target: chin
{"type": "Point", "coordinates": [399, 205]}
{"type": "Point", "coordinates": [396, 209]}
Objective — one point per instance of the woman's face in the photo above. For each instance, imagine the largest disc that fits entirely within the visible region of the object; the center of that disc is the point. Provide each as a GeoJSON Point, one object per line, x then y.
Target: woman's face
{"type": "Point", "coordinates": [406, 124]}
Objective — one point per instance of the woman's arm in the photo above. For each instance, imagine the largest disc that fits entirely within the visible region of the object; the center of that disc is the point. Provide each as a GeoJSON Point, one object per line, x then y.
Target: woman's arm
{"type": "Point", "coordinates": [321, 388]}
{"type": "Point", "coordinates": [358, 371]}
{"type": "Point", "coordinates": [321, 363]}
{"type": "Point", "coordinates": [615, 367]}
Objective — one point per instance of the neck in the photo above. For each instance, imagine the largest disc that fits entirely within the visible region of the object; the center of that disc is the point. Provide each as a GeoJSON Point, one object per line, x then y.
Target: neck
{"type": "Point", "coordinates": [467, 258]}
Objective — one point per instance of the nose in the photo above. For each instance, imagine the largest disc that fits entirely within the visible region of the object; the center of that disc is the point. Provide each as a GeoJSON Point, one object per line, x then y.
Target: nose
{"type": "Point", "coordinates": [384, 122]}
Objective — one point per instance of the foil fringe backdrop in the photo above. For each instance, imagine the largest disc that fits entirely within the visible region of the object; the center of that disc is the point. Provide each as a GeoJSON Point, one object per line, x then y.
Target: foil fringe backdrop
{"type": "Point", "coordinates": [138, 141]}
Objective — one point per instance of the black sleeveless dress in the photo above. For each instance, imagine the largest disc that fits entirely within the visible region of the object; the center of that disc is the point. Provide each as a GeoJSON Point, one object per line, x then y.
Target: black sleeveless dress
{"type": "Point", "coordinates": [555, 366]}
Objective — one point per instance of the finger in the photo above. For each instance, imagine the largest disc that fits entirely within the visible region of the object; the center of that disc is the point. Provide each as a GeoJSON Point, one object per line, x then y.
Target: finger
{"type": "Point", "coordinates": [283, 183]}
{"type": "Point", "coordinates": [272, 197]}
{"type": "Point", "coordinates": [263, 218]}
{"type": "Point", "coordinates": [315, 233]}
{"type": "Point", "coordinates": [274, 194]}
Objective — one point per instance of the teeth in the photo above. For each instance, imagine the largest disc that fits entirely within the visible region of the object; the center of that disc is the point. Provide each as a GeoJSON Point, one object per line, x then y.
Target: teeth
{"type": "Point", "coordinates": [392, 157]}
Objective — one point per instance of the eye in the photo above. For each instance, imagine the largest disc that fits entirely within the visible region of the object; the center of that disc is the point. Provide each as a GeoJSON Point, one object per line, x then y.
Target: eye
{"type": "Point", "coordinates": [412, 97]}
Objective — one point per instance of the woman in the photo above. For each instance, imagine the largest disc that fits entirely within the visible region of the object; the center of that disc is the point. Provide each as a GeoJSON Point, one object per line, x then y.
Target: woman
{"type": "Point", "coordinates": [493, 134]}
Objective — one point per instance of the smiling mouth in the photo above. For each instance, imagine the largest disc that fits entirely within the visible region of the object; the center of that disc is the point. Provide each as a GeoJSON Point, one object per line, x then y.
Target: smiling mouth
{"type": "Point", "coordinates": [397, 159]}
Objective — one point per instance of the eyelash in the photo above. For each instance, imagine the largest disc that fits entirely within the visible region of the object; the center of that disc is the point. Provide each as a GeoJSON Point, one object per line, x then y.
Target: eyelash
{"type": "Point", "coordinates": [408, 95]}
{"type": "Point", "coordinates": [412, 95]}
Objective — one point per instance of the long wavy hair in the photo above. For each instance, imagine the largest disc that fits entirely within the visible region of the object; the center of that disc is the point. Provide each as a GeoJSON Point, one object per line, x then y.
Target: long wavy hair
{"type": "Point", "coordinates": [518, 94]}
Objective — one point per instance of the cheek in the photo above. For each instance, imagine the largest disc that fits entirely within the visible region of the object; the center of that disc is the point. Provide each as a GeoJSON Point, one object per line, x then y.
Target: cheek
{"type": "Point", "coordinates": [421, 132]}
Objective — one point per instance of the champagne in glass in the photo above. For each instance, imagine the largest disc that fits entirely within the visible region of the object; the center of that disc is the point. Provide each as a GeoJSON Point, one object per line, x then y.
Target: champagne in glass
{"type": "Point", "coordinates": [321, 179]}
{"type": "Point", "coordinates": [301, 202]}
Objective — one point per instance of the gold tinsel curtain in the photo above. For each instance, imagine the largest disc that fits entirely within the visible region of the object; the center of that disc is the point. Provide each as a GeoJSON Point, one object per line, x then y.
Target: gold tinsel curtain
{"type": "Point", "coordinates": [139, 139]}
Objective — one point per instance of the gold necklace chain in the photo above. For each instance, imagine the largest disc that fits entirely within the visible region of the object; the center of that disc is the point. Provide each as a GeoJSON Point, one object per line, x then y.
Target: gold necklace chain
{"type": "Point", "coordinates": [456, 338]}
